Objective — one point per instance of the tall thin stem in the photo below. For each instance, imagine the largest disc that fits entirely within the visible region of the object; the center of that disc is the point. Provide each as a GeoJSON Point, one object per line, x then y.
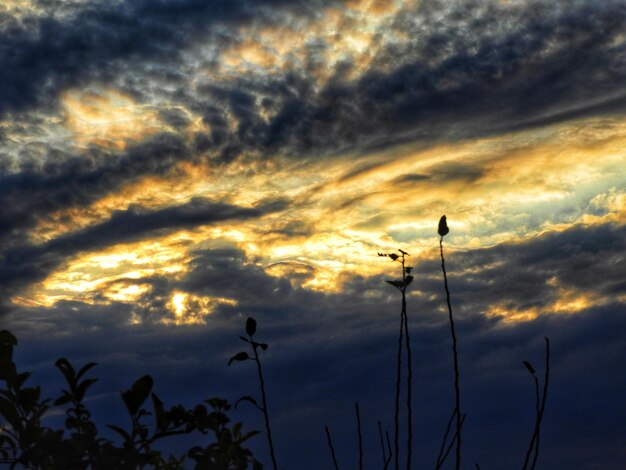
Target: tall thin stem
{"type": "Point", "coordinates": [386, 458]}
{"type": "Point", "coordinates": [534, 440]}
{"type": "Point", "coordinates": [396, 417]}
{"type": "Point", "coordinates": [264, 403]}
{"type": "Point", "coordinates": [457, 388]}
{"type": "Point", "coordinates": [358, 429]}
{"type": "Point", "coordinates": [332, 448]}
{"type": "Point", "coordinates": [388, 461]}
{"type": "Point", "coordinates": [543, 403]}
{"type": "Point", "coordinates": [409, 398]}
{"type": "Point", "coordinates": [444, 441]}
{"type": "Point", "coordinates": [403, 337]}
{"type": "Point", "coordinates": [382, 442]}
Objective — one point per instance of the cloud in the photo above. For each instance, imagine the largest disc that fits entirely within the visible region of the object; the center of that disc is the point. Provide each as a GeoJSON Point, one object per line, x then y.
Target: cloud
{"type": "Point", "coordinates": [76, 180]}
{"type": "Point", "coordinates": [29, 263]}
{"type": "Point", "coordinates": [46, 55]}
{"type": "Point", "coordinates": [472, 70]}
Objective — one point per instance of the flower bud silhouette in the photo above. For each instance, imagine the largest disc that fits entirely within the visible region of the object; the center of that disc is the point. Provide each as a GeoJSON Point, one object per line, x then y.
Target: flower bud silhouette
{"type": "Point", "coordinates": [443, 226]}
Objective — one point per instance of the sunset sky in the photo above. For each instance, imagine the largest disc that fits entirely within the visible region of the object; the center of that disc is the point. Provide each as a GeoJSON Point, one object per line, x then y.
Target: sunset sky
{"type": "Point", "coordinates": [169, 168]}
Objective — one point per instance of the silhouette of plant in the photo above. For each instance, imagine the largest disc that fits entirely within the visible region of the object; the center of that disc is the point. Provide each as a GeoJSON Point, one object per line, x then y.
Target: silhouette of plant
{"type": "Point", "coordinates": [360, 435]}
{"type": "Point", "coordinates": [25, 443]}
{"type": "Point", "coordinates": [446, 446]}
{"type": "Point", "coordinates": [401, 285]}
{"type": "Point", "coordinates": [332, 448]}
{"type": "Point", "coordinates": [443, 230]}
{"type": "Point", "coordinates": [540, 404]}
{"type": "Point", "coordinates": [251, 327]}
{"type": "Point", "coordinates": [386, 458]}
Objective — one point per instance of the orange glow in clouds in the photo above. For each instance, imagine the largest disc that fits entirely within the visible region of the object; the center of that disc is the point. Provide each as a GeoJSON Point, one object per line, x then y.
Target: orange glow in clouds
{"type": "Point", "coordinates": [108, 118]}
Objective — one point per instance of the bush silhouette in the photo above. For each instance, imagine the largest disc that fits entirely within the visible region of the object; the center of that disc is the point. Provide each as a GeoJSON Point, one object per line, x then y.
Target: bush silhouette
{"type": "Point", "coordinates": [26, 443]}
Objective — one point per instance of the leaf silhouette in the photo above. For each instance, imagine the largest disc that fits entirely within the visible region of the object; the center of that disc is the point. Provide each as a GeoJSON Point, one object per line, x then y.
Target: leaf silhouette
{"type": "Point", "coordinates": [84, 370]}
{"type": "Point", "coordinates": [120, 431]}
{"type": "Point", "coordinates": [408, 280]}
{"type": "Point", "coordinates": [248, 398]}
{"type": "Point", "coordinates": [530, 368]}
{"type": "Point", "coordinates": [398, 284]}
{"type": "Point", "coordinates": [443, 229]}
{"type": "Point", "coordinates": [393, 256]}
{"type": "Point", "coordinates": [137, 394]}
{"type": "Point", "coordinates": [241, 356]}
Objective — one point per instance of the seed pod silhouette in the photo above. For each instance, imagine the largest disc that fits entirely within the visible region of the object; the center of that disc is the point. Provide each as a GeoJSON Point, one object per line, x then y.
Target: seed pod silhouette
{"type": "Point", "coordinates": [443, 226]}
{"type": "Point", "coordinates": [251, 326]}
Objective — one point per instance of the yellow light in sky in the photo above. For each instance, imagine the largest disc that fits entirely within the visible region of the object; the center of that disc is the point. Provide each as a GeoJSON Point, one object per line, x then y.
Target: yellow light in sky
{"type": "Point", "coordinates": [108, 118]}
{"type": "Point", "coordinates": [178, 303]}
{"type": "Point", "coordinates": [126, 293]}
{"type": "Point", "coordinates": [190, 309]}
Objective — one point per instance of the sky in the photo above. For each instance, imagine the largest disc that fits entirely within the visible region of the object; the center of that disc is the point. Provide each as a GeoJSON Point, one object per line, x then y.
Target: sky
{"type": "Point", "coordinates": [169, 168]}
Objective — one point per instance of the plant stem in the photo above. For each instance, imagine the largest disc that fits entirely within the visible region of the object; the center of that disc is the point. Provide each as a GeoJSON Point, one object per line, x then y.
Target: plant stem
{"type": "Point", "coordinates": [457, 388]}
{"type": "Point", "coordinates": [543, 403]}
{"type": "Point", "coordinates": [534, 441]}
{"type": "Point", "coordinates": [358, 428]}
{"type": "Point", "coordinates": [409, 398]}
{"type": "Point", "coordinates": [382, 442]}
{"type": "Point", "coordinates": [388, 461]}
{"type": "Point", "coordinates": [264, 400]}
{"type": "Point", "coordinates": [332, 449]}
{"type": "Point", "coordinates": [445, 441]}
{"type": "Point", "coordinates": [397, 410]}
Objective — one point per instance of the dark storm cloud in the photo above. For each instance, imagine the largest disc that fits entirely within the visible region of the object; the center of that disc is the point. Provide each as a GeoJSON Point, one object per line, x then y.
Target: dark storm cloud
{"type": "Point", "coordinates": [469, 69]}
{"type": "Point", "coordinates": [29, 263]}
{"type": "Point", "coordinates": [137, 223]}
{"type": "Point", "coordinates": [42, 56]}
{"type": "Point", "coordinates": [531, 274]}
{"type": "Point", "coordinates": [518, 276]}
{"type": "Point", "coordinates": [409, 179]}
{"type": "Point", "coordinates": [439, 174]}
{"type": "Point", "coordinates": [228, 273]}
{"type": "Point", "coordinates": [70, 180]}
